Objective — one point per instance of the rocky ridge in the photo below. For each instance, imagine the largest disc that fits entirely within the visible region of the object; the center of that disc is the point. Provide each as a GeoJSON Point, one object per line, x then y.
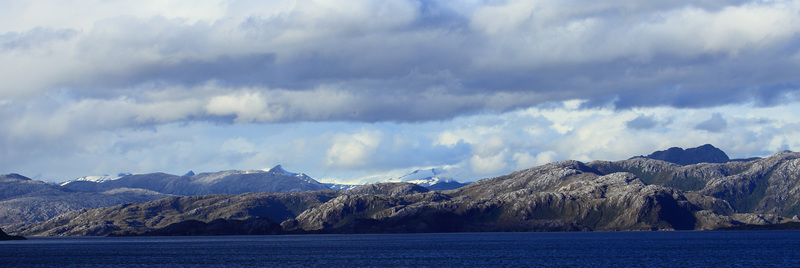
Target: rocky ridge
{"type": "Point", "coordinates": [763, 186]}
{"type": "Point", "coordinates": [634, 194]}
{"type": "Point", "coordinates": [275, 180]}
{"type": "Point", "coordinates": [24, 201]}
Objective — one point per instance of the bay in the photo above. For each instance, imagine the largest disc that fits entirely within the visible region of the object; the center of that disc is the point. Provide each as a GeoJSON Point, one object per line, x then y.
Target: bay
{"type": "Point", "coordinates": [575, 249]}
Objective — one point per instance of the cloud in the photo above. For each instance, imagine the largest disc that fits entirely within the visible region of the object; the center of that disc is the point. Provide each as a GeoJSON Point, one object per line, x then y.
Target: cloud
{"type": "Point", "coordinates": [478, 57]}
{"type": "Point", "coordinates": [526, 160]}
{"type": "Point", "coordinates": [394, 84]}
{"type": "Point", "coordinates": [353, 151]}
{"type": "Point", "coordinates": [714, 124]}
{"type": "Point", "coordinates": [642, 122]}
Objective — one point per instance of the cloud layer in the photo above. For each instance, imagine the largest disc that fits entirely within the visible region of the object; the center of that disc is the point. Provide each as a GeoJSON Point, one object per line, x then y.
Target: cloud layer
{"type": "Point", "coordinates": [378, 86]}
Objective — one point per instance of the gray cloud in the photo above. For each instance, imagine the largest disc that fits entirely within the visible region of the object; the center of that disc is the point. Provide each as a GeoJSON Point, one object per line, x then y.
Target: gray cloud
{"type": "Point", "coordinates": [714, 124]}
{"type": "Point", "coordinates": [623, 54]}
{"type": "Point", "coordinates": [116, 71]}
{"type": "Point", "coordinates": [31, 39]}
{"type": "Point", "coordinates": [642, 122]}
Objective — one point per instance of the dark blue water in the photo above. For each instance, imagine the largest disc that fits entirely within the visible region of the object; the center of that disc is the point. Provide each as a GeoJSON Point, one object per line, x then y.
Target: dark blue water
{"type": "Point", "coordinates": [594, 249]}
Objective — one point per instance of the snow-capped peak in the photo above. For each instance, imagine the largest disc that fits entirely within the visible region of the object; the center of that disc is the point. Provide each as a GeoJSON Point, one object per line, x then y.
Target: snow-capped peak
{"type": "Point", "coordinates": [279, 170]}
{"type": "Point", "coordinates": [423, 177]}
{"type": "Point", "coordinates": [97, 179]}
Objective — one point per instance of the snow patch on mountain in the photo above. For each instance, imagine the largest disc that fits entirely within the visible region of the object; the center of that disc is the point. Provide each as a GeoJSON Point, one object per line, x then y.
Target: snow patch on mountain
{"type": "Point", "coordinates": [279, 170]}
{"type": "Point", "coordinates": [423, 177]}
{"type": "Point", "coordinates": [97, 179]}
{"type": "Point", "coordinates": [337, 186]}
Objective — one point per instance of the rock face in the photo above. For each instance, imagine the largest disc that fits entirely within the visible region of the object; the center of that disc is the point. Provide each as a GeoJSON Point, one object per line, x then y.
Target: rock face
{"type": "Point", "coordinates": [703, 154]}
{"type": "Point", "coordinates": [762, 186]}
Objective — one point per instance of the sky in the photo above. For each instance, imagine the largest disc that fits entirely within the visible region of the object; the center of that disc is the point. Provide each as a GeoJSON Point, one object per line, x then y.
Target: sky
{"type": "Point", "coordinates": [361, 91]}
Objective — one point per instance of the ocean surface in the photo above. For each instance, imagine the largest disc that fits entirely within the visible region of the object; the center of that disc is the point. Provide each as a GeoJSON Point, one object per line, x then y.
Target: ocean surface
{"type": "Point", "coordinates": [578, 249]}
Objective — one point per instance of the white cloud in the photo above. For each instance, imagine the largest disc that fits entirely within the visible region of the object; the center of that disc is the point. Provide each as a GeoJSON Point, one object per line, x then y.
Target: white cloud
{"type": "Point", "coordinates": [448, 138]}
{"type": "Point", "coordinates": [714, 124]}
{"type": "Point", "coordinates": [536, 33]}
{"type": "Point", "coordinates": [488, 165]}
{"type": "Point", "coordinates": [246, 106]}
{"type": "Point", "coordinates": [353, 151]}
{"type": "Point", "coordinates": [336, 88]}
{"type": "Point", "coordinates": [489, 156]}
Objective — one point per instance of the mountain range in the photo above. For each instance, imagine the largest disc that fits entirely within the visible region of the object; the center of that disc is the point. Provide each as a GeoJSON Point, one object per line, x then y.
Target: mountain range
{"type": "Point", "coordinates": [635, 194]}
{"type": "Point", "coordinates": [24, 201]}
{"type": "Point", "coordinates": [224, 182]}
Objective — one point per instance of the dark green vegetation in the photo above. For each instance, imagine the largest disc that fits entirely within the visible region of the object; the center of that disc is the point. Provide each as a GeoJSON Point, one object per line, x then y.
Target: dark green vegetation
{"type": "Point", "coordinates": [634, 194]}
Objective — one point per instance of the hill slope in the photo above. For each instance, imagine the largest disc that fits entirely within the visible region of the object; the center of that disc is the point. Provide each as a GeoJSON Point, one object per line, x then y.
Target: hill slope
{"type": "Point", "coordinates": [561, 196]}
{"type": "Point", "coordinates": [24, 201]}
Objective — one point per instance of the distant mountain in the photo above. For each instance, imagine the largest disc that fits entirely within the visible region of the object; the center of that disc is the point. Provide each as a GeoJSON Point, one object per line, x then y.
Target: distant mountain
{"type": "Point", "coordinates": [276, 180]}
{"type": "Point", "coordinates": [24, 201]}
{"type": "Point", "coordinates": [635, 194]}
{"type": "Point", "coordinates": [702, 154]}
{"type": "Point", "coordinates": [90, 179]}
{"type": "Point", "coordinates": [429, 178]}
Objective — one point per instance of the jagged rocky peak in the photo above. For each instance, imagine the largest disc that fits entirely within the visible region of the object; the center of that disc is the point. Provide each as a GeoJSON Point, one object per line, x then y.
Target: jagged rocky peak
{"type": "Point", "coordinates": [279, 170]}
{"type": "Point", "coordinates": [702, 154]}
{"type": "Point", "coordinates": [189, 174]}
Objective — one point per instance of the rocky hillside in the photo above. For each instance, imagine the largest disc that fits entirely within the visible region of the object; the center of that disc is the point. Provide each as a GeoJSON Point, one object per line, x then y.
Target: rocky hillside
{"type": "Point", "coordinates": [634, 194]}
{"type": "Point", "coordinates": [149, 216]}
{"type": "Point", "coordinates": [762, 186]}
{"type": "Point", "coordinates": [24, 201]}
{"type": "Point", "coordinates": [562, 196]}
